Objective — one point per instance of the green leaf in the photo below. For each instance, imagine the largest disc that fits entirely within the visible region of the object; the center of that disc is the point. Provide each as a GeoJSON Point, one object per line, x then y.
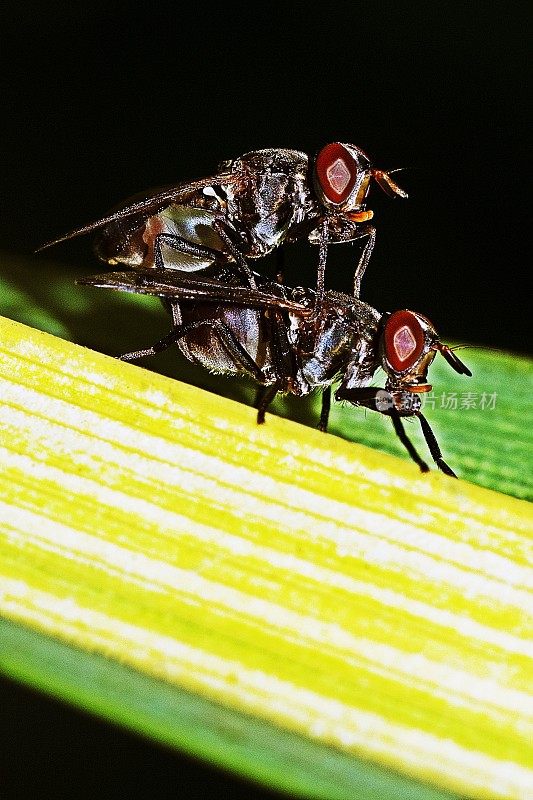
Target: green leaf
{"type": "Point", "coordinates": [326, 592]}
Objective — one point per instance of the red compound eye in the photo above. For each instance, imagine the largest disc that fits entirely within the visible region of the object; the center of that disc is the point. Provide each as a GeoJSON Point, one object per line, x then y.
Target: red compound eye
{"type": "Point", "coordinates": [404, 340]}
{"type": "Point", "coordinates": [336, 171]}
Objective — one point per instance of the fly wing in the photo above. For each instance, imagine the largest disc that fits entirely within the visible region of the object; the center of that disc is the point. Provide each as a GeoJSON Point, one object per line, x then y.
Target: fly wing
{"type": "Point", "coordinates": [177, 286]}
{"type": "Point", "coordinates": [148, 204]}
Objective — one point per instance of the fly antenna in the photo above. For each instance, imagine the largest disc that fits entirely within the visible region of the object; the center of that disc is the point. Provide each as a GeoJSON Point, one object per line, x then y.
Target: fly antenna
{"type": "Point", "coordinates": [453, 360]}
{"type": "Point", "coordinates": [385, 182]}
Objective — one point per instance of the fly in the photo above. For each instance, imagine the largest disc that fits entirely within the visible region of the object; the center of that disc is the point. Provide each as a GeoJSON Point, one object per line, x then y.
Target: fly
{"type": "Point", "coordinates": [254, 204]}
{"type": "Point", "coordinates": [278, 337]}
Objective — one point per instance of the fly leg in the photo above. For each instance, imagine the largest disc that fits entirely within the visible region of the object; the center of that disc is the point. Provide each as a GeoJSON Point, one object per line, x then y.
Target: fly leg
{"type": "Point", "coordinates": [231, 344]}
{"type": "Point", "coordinates": [208, 254]}
{"type": "Point", "coordinates": [280, 264]}
{"type": "Point", "coordinates": [321, 269]}
{"type": "Point", "coordinates": [367, 231]}
{"type": "Point", "coordinates": [407, 443]}
{"type": "Point", "coordinates": [167, 341]}
{"type": "Point", "coordinates": [234, 348]}
{"type": "Point", "coordinates": [370, 232]}
{"type": "Point", "coordinates": [220, 228]}
{"type": "Point", "coordinates": [379, 400]}
{"type": "Point", "coordinates": [283, 363]}
{"type": "Point", "coordinates": [181, 245]}
{"type": "Point", "coordinates": [178, 332]}
{"type": "Point", "coordinates": [265, 395]}
{"type": "Point", "coordinates": [434, 448]}
{"type": "Point", "coordinates": [324, 411]}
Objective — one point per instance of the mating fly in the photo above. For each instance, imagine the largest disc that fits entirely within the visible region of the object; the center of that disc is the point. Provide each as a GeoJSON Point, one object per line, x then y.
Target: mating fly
{"type": "Point", "coordinates": [274, 334]}
{"type": "Point", "coordinates": [254, 204]}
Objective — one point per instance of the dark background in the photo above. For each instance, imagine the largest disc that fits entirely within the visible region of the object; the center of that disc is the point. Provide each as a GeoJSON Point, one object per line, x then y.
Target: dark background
{"type": "Point", "coordinates": [101, 101]}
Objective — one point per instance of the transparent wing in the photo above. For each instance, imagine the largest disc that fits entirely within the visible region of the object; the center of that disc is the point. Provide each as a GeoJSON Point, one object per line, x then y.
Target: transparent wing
{"type": "Point", "coordinates": [178, 286]}
{"type": "Point", "coordinates": [148, 204]}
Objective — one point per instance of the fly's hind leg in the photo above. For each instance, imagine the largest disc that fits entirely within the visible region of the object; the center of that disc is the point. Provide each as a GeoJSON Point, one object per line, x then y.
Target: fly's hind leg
{"type": "Point", "coordinates": [178, 332]}
{"type": "Point", "coordinates": [240, 356]}
{"type": "Point", "coordinates": [231, 344]}
{"type": "Point", "coordinates": [181, 245]}
{"type": "Point", "coordinates": [200, 251]}
{"type": "Point", "coordinates": [220, 228]}
{"type": "Point", "coordinates": [265, 394]}
{"type": "Point", "coordinates": [163, 344]}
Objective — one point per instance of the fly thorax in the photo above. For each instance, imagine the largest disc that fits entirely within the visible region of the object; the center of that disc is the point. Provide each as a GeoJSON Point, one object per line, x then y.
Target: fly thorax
{"type": "Point", "coordinates": [265, 203]}
{"type": "Point", "coordinates": [331, 350]}
{"type": "Point", "coordinates": [361, 366]}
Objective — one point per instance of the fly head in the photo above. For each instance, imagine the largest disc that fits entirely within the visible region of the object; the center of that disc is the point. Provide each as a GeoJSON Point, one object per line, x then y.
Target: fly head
{"type": "Point", "coordinates": [342, 174]}
{"type": "Point", "coordinates": [407, 346]}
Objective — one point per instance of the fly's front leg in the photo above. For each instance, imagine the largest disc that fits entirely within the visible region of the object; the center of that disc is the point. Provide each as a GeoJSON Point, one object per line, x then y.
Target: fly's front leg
{"type": "Point", "coordinates": [380, 400]}
{"type": "Point", "coordinates": [434, 448]}
{"type": "Point", "coordinates": [407, 443]}
{"type": "Point", "coordinates": [370, 232]}
{"type": "Point", "coordinates": [367, 231]}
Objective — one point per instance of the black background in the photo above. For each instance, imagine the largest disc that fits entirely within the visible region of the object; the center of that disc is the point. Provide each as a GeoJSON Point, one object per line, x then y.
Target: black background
{"type": "Point", "coordinates": [101, 101]}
